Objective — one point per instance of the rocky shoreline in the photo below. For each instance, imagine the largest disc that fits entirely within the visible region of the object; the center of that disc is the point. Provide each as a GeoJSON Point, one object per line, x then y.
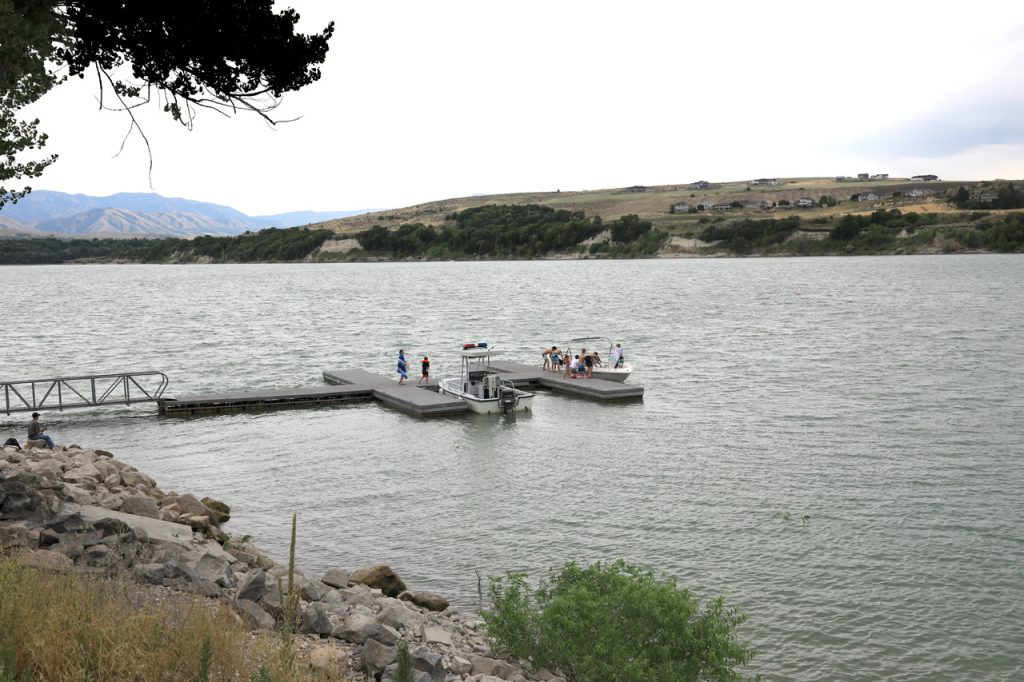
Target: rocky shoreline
{"type": "Point", "coordinates": [79, 509]}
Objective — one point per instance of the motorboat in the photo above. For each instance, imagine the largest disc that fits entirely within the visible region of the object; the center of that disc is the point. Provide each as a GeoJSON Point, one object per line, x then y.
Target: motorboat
{"type": "Point", "coordinates": [606, 371]}
{"type": "Point", "coordinates": [484, 391]}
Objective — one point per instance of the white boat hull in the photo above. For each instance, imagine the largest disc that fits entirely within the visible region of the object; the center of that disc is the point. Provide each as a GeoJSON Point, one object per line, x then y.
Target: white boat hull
{"type": "Point", "coordinates": [479, 405]}
{"type": "Point", "coordinates": [611, 374]}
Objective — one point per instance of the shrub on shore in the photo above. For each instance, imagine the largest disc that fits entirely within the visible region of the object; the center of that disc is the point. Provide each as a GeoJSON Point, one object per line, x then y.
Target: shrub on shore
{"type": "Point", "coordinates": [615, 622]}
{"type": "Point", "coordinates": [63, 626]}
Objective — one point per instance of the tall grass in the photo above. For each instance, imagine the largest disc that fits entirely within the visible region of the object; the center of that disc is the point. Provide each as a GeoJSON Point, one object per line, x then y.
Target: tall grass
{"type": "Point", "coordinates": [67, 626]}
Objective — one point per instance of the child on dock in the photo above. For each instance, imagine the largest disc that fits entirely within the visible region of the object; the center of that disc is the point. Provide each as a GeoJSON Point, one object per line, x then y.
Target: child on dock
{"type": "Point", "coordinates": [424, 370]}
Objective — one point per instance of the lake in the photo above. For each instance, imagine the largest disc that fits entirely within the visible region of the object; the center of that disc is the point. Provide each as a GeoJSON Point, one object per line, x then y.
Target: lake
{"type": "Point", "coordinates": [881, 397]}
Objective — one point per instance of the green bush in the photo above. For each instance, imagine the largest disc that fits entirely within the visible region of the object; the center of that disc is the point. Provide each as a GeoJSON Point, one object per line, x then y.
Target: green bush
{"type": "Point", "coordinates": [615, 623]}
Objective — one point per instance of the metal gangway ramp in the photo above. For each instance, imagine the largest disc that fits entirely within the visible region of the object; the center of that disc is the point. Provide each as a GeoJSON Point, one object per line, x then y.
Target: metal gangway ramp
{"type": "Point", "coordinates": [91, 390]}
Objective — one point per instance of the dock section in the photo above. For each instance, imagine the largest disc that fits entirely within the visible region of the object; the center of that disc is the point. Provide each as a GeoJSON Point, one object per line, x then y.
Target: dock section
{"type": "Point", "coordinates": [355, 385]}
{"type": "Point", "coordinates": [525, 376]}
{"type": "Point", "coordinates": [420, 399]}
{"type": "Point", "coordinates": [216, 403]}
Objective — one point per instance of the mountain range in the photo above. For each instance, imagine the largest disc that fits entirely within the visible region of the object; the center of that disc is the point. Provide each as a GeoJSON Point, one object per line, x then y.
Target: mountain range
{"type": "Point", "coordinates": [48, 213]}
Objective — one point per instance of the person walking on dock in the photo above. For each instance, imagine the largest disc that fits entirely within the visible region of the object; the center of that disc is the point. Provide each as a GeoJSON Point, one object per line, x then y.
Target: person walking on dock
{"type": "Point", "coordinates": [403, 370]}
{"type": "Point", "coordinates": [424, 370]}
{"type": "Point", "coordinates": [35, 431]}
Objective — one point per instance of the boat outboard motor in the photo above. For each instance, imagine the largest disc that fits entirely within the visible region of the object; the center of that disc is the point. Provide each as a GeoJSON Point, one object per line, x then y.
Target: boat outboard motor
{"type": "Point", "coordinates": [508, 399]}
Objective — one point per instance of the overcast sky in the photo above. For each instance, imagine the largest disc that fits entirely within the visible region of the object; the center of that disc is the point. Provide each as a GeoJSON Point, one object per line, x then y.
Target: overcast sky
{"type": "Point", "coordinates": [421, 101]}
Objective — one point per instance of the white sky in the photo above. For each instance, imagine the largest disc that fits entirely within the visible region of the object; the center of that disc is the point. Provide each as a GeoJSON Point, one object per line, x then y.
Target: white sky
{"type": "Point", "coordinates": [421, 101]}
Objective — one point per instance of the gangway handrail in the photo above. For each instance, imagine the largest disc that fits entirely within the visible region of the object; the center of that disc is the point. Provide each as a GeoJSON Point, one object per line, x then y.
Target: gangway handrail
{"type": "Point", "coordinates": [114, 389]}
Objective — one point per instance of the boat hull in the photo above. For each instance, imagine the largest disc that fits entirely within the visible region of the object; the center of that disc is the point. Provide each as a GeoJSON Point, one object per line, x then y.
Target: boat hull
{"type": "Point", "coordinates": [610, 374]}
{"type": "Point", "coordinates": [488, 405]}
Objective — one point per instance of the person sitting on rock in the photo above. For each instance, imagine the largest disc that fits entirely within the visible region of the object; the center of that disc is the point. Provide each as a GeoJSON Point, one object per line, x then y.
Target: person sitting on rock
{"type": "Point", "coordinates": [35, 431]}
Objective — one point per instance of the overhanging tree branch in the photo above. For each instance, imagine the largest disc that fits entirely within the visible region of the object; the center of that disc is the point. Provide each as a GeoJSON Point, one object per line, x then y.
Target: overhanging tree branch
{"type": "Point", "coordinates": [228, 56]}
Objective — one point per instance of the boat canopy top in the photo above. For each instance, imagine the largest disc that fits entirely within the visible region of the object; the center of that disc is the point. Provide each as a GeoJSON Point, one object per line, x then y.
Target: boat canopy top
{"type": "Point", "coordinates": [584, 341]}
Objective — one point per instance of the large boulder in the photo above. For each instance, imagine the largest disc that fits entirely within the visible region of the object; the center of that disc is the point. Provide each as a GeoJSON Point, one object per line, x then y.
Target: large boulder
{"type": "Point", "coordinates": [44, 558]}
{"type": "Point", "coordinates": [358, 627]}
{"type": "Point", "coordinates": [483, 665]}
{"type": "Point", "coordinates": [254, 586]}
{"type": "Point", "coordinates": [317, 620]}
{"type": "Point", "coordinates": [427, 666]}
{"type": "Point", "coordinates": [435, 634]}
{"type": "Point", "coordinates": [398, 615]}
{"type": "Point", "coordinates": [20, 499]}
{"type": "Point", "coordinates": [376, 657]}
{"type": "Point", "coordinates": [381, 577]}
{"type": "Point", "coordinates": [253, 615]}
{"type": "Point", "coordinates": [185, 504]}
{"type": "Point", "coordinates": [220, 512]}
{"type": "Point", "coordinates": [13, 535]}
{"type": "Point", "coordinates": [141, 505]}
{"type": "Point", "coordinates": [336, 577]}
{"type": "Point", "coordinates": [215, 569]}
{"type": "Point", "coordinates": [137, 479]}
{"type": "Point", "coordinates": [428, 600]}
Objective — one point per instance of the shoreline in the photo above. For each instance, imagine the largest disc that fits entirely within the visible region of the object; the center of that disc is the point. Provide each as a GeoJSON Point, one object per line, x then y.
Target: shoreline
{"type": "Point", "coordinates": [73, 508]}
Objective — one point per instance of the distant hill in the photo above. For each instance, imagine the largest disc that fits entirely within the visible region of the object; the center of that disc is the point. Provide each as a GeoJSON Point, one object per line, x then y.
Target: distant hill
{"type": "Point", "coordinates": [138, 215]}
{"type": "Point", "coordinates": [299, 218]}
{"type": "Point", "coordinates": [655, 203]}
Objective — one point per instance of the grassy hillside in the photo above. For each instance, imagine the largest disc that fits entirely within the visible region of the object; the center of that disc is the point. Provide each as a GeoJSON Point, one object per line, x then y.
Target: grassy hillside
{"type": "Point", "coordinates": [654, 203]}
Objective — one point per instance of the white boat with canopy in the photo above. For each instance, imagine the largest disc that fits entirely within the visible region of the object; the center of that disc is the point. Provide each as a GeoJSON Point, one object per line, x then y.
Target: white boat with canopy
{"type": "Point", "coordinates": [609, 369]}
{"type": "Point", "coordinates": [484, 391]}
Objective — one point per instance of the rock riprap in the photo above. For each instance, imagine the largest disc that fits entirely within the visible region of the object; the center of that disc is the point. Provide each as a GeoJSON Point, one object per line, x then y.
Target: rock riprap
{"type": "Point", "coordinates": [73, 507]}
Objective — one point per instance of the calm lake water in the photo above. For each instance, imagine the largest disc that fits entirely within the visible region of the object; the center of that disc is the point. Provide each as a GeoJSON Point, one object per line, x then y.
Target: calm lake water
{"type": "Point", "coordinates": [882, 397]}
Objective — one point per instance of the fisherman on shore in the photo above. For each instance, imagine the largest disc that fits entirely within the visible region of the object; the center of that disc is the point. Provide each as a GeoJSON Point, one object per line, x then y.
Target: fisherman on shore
{"type": "Point", "coordinates": [35, 431]}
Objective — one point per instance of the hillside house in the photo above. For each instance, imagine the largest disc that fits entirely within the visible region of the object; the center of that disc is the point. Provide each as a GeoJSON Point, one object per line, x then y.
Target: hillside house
{"type": "Point", "coordinates": [880, 176]}
{"type": "Point", "coordinates": [841, 178]}
{"type": "Point", "coordinates": [924, 178]}
{"type": "Point", "coordinates": [918, 192]}
{"type": "Point", "coordinates": [863, 176]}
{"type": "Point", "coordinates": [700, 184]}
{"type": "Point", "coordinates": [720, 207]}
{"type": "Point", "coordinates": [765, 181]}
{"type": "Point", "coordinates": [635, 189]}
{"type": "Point", "coordinates": [681, 207]}
{"type": "Point", "coordinates": [806, 202]}
{"type": "Point", "coordinates": [868, 196]}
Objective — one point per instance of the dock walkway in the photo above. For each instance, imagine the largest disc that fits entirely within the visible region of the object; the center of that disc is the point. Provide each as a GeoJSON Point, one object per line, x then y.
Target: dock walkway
{"type": "Point", "coordinates": [418, 399]}
{"type": "Point", "coordinates": [213, 403]}
{"type": "Point", "coordinates": [595, 389]}
{"type": "Point", "coordinates": [354, 385]}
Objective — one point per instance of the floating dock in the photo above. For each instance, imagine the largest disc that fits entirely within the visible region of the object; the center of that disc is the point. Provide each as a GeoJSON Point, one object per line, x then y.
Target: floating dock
{"type": "Point", "coordinates": [215, 403]}
{"type": "Point", "coordinates": [525, 376]}
{"type": "Point", "coordinates": [424, 400]}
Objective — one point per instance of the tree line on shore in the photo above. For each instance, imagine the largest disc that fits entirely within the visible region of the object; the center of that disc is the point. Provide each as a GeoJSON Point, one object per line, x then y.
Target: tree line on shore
{"type": "Point", "coordinates": [265, 246]}
{"type": "Point", "coordinates": [532, 231]}
{"type": "Point", "coordinates": [885, 231]}
{"type": "Point", "coordinates": [513, 232]}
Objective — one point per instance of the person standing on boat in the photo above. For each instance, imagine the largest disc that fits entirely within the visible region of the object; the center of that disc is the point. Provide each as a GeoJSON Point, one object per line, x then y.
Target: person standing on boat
{"type": "Point", "coordinates": [424, 370]}
{"type": "Point", "coordinates": [617, 356]}
{"type": "Point", "coordinates": [588, 362]}
{"type": "Point", "coordinates": [403, 371]}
